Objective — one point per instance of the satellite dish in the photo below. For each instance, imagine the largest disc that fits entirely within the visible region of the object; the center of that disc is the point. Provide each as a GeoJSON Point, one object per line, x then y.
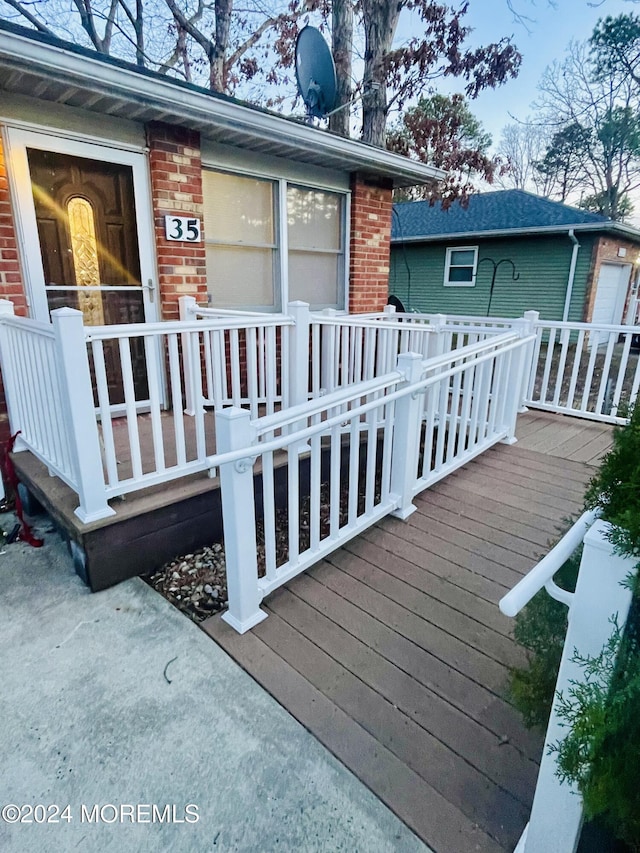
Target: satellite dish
{"type": "Point", "coordinates": [315, 72]}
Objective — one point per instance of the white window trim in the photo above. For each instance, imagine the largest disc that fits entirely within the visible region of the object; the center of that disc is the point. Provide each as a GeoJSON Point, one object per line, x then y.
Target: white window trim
{"type": "Point", "coordinates": [447, 266]}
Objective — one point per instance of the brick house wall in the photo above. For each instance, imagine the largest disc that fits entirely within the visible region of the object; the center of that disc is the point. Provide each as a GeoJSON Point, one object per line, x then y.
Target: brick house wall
{"type": "Point", "coordinates": [10, 273]}
{"type": "Point", "coordinates": [176, 187]}
{"type": "Point", "coordinates": [369, 261]}
{"type": "Point", "coordinates": [605, 250]}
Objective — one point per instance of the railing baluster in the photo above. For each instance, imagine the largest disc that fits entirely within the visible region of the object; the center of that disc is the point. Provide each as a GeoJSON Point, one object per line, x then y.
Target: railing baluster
{"type": "Point", "coordinates": [564, 346]}
{"type": "Point", "coordinates": [271, 357]}
{"type": "Point", "coordinates": [234, 357]}
{"type": "Point", "coordinates": [104, 409]}
{"type": "Point", "coordinates": [354, 469]}
{"type": "Point", "coordinates": [452, 430]}
{"type": "Point", "coordinates": [315, 360]}
{"type": "Point", "coordinates": [207, 344]}
{"type": "Point", "coordinates": [576, 369]}
{"type": "Point", "coordinates": [315, 487]}
{"type": "Point", "coordinates": [594, 338]}
{"type": "Point", "coordinates": [622, 372]}
{"type": "Point", "coordinates": [155, 396]}
{"type": "Point", "coordinates": [334, 482]}
{"type": "Point", "coordinates": [175, 386]}
{"type": "Point", "coordinates": [131, 411]}
{"type": "Point", "coordinates": [293, 518]}
{"type": "Point", "coordinates": [252, 370]}
{"type": "Point", "coordinates": [547, 364]}
{"type": "Point", "coordinates": [219, 368]}
{"type": "Point", "coordinates": [269, 515]}
{"type": "Point", "coordinates": [604, 379]}
{"type": "Point", "coordinates": [429, 429]}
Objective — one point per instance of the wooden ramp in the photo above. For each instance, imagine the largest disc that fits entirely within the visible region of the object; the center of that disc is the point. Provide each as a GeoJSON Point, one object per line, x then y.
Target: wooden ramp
{"type": "Point", "coordinates": [393, 652]}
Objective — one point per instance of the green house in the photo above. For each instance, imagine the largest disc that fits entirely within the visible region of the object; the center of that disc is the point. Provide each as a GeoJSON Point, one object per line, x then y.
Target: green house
{"type": "Point", "coordinates": [511, 251]}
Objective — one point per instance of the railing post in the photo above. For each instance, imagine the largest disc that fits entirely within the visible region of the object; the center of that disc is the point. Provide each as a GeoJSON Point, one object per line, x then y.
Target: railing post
{"type": "Point", "coordinates": [235, 432]}
{"type": "Point", "coordinates": [327, 370]}
{"type": "Point", "coordinates": [79, 414]}
{"type": "Point", "coordinates": [6, 309]}
{"type": "Point", "coordinates": [406, 437]}
{"type": "Point", "coordinates": [514, 380]}
{"type": "Point", "coordinates": [436, 344]}
{"type": "Point", "coordinates": [531, 318]}
{"type": "Point", "coordinates": [10, 387]}
{"type": "Point", "coordinates": [188, 308]}
{"type": "Point", "coordinates": [556, 814]}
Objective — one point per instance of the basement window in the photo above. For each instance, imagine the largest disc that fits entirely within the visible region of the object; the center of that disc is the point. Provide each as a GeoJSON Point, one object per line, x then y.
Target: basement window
{"type": "Point", "coordinates": [461, 263]}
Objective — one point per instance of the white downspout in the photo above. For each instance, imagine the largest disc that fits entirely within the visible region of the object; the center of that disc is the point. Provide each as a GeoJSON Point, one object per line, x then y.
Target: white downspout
{"type": "Point", "coordinates": [572, 272]}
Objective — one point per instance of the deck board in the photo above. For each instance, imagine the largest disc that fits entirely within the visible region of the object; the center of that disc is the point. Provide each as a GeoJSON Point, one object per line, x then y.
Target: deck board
{"type": "Point", "coordinates": [393, 652]}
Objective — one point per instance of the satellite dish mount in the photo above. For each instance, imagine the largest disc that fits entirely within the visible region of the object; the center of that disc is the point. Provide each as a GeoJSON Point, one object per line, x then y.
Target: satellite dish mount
{"type": "Point", "coordinates": [315, 73]}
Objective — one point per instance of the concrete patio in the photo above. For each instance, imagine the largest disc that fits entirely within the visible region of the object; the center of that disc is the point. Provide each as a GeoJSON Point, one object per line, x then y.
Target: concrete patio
{"type": "Point", "coordinates": [116, 699]}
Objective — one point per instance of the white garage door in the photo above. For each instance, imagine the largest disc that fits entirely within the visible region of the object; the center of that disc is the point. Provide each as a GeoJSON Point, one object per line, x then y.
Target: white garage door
{"type": "Point", "coordinates": [611, 292]}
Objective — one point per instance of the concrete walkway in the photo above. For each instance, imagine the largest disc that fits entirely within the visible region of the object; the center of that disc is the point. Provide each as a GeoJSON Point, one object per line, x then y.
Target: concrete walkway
{"type": "Point", "coordinates": [116, 700]}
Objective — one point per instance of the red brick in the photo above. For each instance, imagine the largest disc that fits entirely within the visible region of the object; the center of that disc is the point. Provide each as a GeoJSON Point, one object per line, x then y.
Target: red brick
{"type": "Point", "coordinates": [164, 142]}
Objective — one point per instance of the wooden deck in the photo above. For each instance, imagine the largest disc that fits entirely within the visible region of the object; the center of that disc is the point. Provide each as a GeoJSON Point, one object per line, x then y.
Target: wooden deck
{"type": "Point", "coordinates": [393, 652]}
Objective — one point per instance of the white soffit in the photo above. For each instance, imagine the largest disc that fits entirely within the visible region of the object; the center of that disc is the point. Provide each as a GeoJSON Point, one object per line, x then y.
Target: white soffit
{"type": "Point", "coordinates": [55, 71]}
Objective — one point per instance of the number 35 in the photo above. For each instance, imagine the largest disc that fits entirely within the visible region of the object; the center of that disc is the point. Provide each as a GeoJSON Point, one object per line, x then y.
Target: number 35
{"type": "Point", "coordinates": [182, 228]}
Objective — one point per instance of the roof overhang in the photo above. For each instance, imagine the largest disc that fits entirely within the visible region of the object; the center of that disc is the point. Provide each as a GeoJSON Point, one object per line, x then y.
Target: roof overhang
{"type": "Point", "coordinates": [618, 228]}
{"type": "Point", "coordinates": [49, 69]}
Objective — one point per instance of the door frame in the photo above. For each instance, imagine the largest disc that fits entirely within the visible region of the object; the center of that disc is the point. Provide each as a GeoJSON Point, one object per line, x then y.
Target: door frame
{"type": "Point", "coordinates": [16, 141]}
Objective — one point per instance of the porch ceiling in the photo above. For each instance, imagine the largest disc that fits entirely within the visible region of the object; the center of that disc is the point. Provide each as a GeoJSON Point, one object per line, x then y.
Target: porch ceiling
{"type": "Point", "coordinates": [52, 70]}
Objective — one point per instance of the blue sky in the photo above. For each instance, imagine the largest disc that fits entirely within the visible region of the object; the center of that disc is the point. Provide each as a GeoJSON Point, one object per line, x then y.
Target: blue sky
{"type": "Point", "coordinates": [551, 28]}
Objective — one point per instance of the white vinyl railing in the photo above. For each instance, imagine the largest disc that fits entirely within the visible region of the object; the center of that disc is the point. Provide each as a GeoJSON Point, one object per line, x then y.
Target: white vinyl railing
{"type": "Point", "coordinates": [35, 393]}
{"type": "Point", "coordinates": [600, 596]}
{"type": "Point", "coordinates": [245, 356]}
{"type": "Point", "coordinates": [91, 402]}
{"type": "Point", "coordinates": [590, 371]}
{"type": "Point", "coordinates": [144, 395]}
{"type": "Point", "coordinates": [386, 439]}
{"type": "Point", "coordinates": [357, 347]}
{"type": "Point", "coordinates": [49, 397]}
{"type": "Point", "coordinates": [586, 370]}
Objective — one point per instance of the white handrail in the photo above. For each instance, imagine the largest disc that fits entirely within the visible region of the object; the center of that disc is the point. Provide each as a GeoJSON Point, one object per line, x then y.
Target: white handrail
{"type": "Point", "coordinates": [541, 574]}
{"type": "Point", "coordinates": [166, 327]}
{"type": "Point", "coordinates": [226, 312]}
{"type": "Point", "coordinates": [587, 327]}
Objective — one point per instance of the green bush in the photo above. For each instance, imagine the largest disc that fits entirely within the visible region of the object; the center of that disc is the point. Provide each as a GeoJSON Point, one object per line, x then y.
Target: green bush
{"type": "Point", "coordinates": [600, 752]}
{"type": "Point", "coordinates": [616, 487]}
{"type": "Point", "coordinates": [602, 712]}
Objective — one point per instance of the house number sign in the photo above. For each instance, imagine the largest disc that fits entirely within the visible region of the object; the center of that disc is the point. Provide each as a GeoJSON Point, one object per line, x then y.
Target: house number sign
{"type": "Point", "coordinates": [183, 228]}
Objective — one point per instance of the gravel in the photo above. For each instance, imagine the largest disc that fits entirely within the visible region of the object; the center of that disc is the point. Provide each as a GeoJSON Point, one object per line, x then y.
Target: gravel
{"type": "Point", "coordinates": [197, 583]}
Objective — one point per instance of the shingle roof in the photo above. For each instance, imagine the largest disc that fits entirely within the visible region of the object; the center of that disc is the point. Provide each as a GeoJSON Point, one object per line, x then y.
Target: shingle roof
{"type": "Point", "coordinates": [501, 211]}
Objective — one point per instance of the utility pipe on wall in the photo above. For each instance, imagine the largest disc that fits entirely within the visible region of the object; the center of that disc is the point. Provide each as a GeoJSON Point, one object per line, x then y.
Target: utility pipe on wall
{"type": "Point", "coordinates": [572, 272]}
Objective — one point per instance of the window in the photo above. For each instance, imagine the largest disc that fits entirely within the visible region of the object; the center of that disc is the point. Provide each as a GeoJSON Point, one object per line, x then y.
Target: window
{"type": "Point", "coordinates": [460, 266]}
{"type": "Point", "coordinates": [316, 247]}
{"type": "Point", "coordinates": [247, 266]}
{"type": "Point", "coordinates": [241, 241]}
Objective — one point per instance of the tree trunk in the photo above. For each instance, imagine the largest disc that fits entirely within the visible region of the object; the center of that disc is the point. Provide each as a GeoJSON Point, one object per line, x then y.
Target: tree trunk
{"type": "Point", "coordinates": [380, 19]}
{"type": "Point", "coordinates": [342, 44]}
{"type": "Point", "coordinates": [217, 73]}
{"type": "Point", "coordinates": [139, 30]}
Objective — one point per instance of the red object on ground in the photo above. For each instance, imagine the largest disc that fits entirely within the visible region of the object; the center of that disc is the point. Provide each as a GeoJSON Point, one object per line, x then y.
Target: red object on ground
{"type": "Point", "coordinates": [12, 479]}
